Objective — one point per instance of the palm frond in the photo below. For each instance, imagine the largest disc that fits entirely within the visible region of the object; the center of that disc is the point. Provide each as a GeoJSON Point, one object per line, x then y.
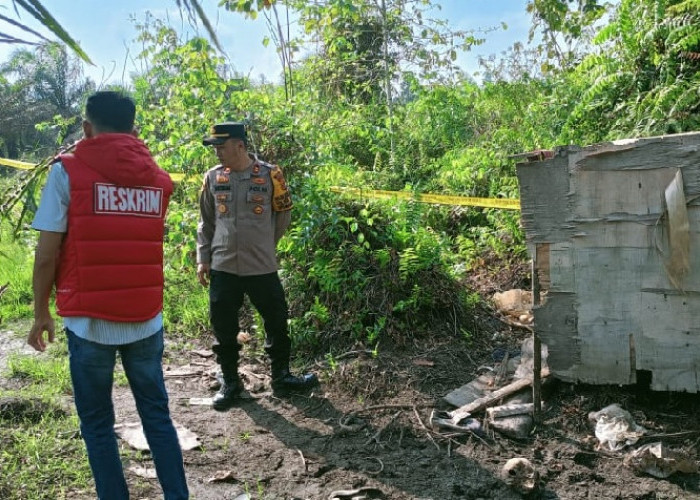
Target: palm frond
{"type": "Point", "coordinates": [685, 7]}
{"type": "Point", "coordinates": [39, 12]}
{"type": "Point", "coordinates": [193, 6]}
{"type": "Point", "coordinates": [25, 187]}
{"type": "Point", "coordinates": [5, 38]}
{"type": "Point", "coordinates": [23, 27]}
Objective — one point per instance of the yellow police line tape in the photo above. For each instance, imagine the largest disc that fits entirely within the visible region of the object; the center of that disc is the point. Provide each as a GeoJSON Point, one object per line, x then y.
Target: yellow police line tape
{"type": "Point", "coordinates": [505, 203]}
{"type": "Point", "coordinates": [17, 164]}
{"type": "Point", "coordinates": [23, 165]}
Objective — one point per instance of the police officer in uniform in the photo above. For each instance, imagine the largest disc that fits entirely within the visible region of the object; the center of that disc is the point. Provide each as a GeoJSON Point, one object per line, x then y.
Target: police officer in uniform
{"type": "Point", "coordinates": [244, 211]}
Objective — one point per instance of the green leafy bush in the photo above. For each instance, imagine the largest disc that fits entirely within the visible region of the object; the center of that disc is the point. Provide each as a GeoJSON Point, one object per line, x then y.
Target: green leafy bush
{"type": "Point", "coordinates": [359, 273]}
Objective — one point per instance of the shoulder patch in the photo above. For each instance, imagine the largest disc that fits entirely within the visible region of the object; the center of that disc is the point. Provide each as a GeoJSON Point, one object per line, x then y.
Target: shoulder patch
{"type": "Point", "coordinates": [281, 199]}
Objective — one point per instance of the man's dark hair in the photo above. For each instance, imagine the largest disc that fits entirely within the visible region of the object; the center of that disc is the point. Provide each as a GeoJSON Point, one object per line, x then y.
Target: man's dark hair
{"type": "Point", "coordinates": [111, 111]}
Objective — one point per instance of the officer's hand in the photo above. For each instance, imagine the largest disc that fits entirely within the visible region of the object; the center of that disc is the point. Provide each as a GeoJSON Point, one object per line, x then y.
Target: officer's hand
{"type": "Point", "coordinates": [36, 334]}
{"type": "Point", "coordinates": [203, 274]}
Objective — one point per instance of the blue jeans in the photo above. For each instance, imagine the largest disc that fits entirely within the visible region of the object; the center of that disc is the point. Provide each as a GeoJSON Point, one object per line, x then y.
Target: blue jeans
{"type": "Point", "coordinates": [92, 373]}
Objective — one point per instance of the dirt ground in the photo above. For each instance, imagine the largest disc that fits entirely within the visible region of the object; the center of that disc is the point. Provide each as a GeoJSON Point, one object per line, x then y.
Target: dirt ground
{"type": "Point", "coordinates": [306, 447]}
{"type": "Point", "coordinates": [365, 430]}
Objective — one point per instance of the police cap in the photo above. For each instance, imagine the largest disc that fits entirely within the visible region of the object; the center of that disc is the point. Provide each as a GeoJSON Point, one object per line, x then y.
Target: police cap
{"type": "Point", "coordinates": [220, 132]}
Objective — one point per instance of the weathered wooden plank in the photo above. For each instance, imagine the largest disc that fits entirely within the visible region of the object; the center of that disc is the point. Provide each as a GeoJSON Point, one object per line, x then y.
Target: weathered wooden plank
{"type": "Point", "coordinates": [600, 194]}
{"type": "Point", "coordinates": [672, 319]}
{"type": "Point", "coordinates": [475, 406]}
{"type": "Point", "coordinates": [546, 187]}
{"type": "Point", "coordinates": [542, 266]}
{"type": "Point", "coordinates": [679, 150]}
{"type": "Point", "coordinates": [509, 410]}
{"type": "Point", "coordinates": [669, 342]}
{"type": "Point", "coordinates": [636, 233]}
{"type": "Point", "coordinates": [611, 308]}
{"type": "Point", "coordinates": [632, 154]}
{"type": "Point", "coordinates": [660, 246]}
{"type": "Point", "coordinates": [556, 322]}
{"type": "Point", "coordinates": [471, 391]}
{"type": "Point", "coordinates": [562, 268]}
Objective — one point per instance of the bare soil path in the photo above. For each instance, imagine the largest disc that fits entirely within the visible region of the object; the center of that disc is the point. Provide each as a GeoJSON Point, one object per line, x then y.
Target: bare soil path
{"type": "Point", "coordinates": [306, 447]}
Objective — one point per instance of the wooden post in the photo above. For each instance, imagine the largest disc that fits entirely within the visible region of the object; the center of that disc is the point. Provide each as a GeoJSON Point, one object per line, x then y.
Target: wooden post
{"type": "Point", "coordinates": [536, 346]}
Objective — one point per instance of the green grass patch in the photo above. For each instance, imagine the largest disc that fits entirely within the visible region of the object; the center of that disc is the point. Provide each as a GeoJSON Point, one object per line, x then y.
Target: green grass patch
{"type": "Point", "coordinates": [16, 263]}
{"type": "Point", "coordinates": [44, 459]}
{"type": "Point", "coordinates": [186, 304]}
{"type": "Point", "coordinates": [41, 453]}
{"type": "Point", "coordinates": [42, 374]}
{"type": "Point", "coordinates": [46, 375]}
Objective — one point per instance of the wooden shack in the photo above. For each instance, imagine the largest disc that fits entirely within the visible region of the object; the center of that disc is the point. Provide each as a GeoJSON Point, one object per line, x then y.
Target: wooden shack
{"type": "Point", "coordinates": [614, 231]}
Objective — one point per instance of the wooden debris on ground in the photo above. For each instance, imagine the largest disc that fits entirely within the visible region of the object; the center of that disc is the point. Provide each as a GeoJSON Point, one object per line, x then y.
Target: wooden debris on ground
{"type": "Point", "coordinates": [488, 400]}
{"type": "Point", "coordinates": [184, 371]}
{"type": "Point", "coordinates": [364, 492]}
{"type": "Point", "coordinates": [475, 389]}
{"type": "Point", "coordinates": [508, 408]}
{"type": "Point", "coordinates": [223, 476]}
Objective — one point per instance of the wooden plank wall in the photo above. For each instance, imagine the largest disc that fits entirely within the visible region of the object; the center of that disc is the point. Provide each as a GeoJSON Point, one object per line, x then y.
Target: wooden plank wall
{"type": "Point", "coordinates": [597, 218]}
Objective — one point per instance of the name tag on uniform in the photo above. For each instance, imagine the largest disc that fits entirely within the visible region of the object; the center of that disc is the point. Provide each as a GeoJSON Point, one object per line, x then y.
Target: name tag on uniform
{"type": "Point", "coordinates": [223, 187]}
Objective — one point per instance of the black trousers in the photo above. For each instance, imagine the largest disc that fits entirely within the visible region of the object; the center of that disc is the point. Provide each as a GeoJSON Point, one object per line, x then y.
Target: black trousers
{"type": "Point", "coordinates": [226, 293]}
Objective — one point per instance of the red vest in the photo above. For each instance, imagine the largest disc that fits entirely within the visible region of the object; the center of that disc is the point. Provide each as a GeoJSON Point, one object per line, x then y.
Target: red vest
{"type": "Point", "coordinates": [111, 260]}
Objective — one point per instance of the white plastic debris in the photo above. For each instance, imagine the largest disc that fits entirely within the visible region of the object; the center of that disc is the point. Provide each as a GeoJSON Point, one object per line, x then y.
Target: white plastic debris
{"type": "Point", "coordinates": [133, 434]}
{"type": "Point", "coordinates": [615, 427]}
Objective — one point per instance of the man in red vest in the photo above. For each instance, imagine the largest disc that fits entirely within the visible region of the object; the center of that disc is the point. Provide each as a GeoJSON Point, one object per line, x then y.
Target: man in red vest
{"type": "Point", "coordinates": [101, 224]}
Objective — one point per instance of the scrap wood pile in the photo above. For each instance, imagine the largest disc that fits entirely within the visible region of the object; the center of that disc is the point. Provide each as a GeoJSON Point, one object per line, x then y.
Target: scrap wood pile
{"type": "Point", "coordinates": [501, 392]}
{"type": "Point", "coordinates": [502, 396]}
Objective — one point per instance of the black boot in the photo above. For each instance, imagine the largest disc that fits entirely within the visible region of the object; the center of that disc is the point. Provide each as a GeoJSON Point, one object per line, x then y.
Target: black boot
{"type": "Point", "coordinates": [229, 391]}
{"type": "Point", "coordinates": [283, 382]}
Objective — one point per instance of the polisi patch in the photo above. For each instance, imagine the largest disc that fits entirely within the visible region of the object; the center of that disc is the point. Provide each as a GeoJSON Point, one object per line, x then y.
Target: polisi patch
{"type": "Point", "coordinates": [119, 200]}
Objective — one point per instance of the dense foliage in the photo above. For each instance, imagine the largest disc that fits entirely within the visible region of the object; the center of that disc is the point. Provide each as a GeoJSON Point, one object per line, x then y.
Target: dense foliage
{"type": "Point", "coordinates": [377, 103]}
